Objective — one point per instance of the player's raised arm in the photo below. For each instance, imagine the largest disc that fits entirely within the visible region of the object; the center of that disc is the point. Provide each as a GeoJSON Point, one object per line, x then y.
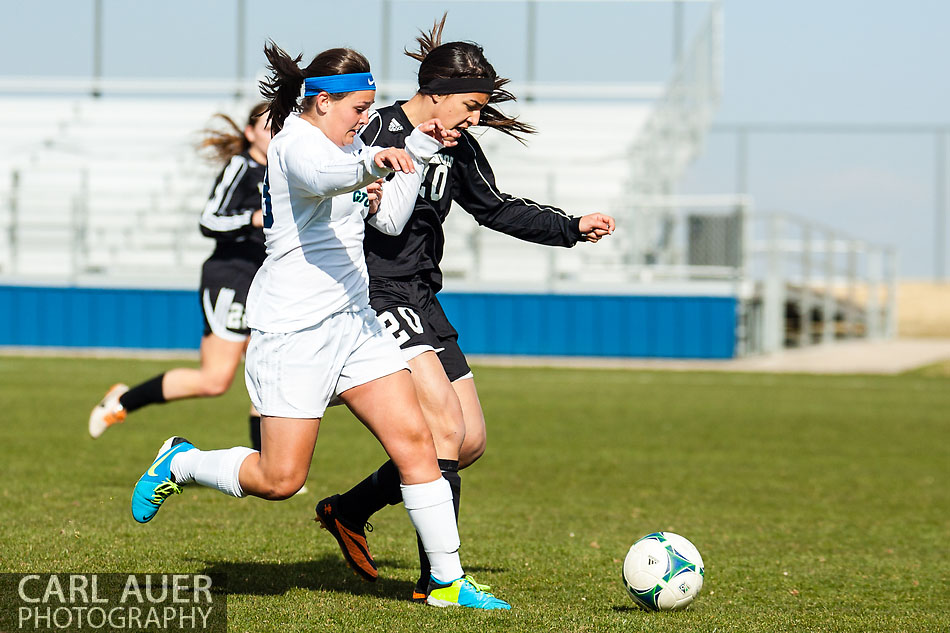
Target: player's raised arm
{"type": "Point", "coordinates": [519, 217]}
{"type": "Point", "coordinates": [314, 173]}
{"type": "Point", "coordinates": [396, 206]}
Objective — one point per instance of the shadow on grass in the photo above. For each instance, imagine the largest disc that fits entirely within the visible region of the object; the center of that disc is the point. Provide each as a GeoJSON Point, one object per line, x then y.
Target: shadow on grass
{"type": "Point", "coordinates": [328, 573]}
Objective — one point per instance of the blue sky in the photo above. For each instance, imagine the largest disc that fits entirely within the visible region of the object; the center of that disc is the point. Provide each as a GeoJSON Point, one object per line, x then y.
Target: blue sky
{"type": "Point", "coordinates": [845, 61]}
{"type": "Point", "coordinates": [871, 61]}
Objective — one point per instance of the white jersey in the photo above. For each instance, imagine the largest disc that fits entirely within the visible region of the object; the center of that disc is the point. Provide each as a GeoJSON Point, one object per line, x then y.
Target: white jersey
{"type": "Point", "coordinates": [314, 212]}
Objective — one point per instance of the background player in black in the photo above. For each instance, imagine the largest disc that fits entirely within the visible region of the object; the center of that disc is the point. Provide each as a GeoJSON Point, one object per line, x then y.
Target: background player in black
{"type": "Point", "coordinates": [456, 84]}
{"type": "Point", "coordinates": [233, 218]}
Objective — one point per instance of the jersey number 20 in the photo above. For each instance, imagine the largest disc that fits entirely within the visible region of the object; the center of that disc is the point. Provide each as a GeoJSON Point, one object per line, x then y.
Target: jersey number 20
{"type": "Point", "coordinates": [392, 325]}
{"type": "Point", "coordinates": [434, 188]}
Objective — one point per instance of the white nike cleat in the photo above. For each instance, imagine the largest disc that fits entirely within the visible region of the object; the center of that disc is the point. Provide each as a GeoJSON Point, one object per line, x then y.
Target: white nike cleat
{"type": "Point", "coordinates": [108, 411]}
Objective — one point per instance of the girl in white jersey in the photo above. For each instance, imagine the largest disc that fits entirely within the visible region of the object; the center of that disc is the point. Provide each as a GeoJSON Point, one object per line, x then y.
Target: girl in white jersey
{"type": "Point", "coordinates": [313, 334]}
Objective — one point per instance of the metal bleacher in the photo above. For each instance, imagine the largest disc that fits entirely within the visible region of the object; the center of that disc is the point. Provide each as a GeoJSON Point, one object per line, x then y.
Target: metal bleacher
{"type": "Point", "coordinates": [106, 187]}
{"type": "Point", "coordinates": [111, 188]}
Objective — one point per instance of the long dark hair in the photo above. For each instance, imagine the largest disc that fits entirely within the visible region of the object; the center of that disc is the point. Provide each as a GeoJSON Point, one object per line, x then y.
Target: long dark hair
{"type": "Point", "coordinates": [282, 89]}
{"type": "Point", "coordinates": [466, 60]}
{"type": "Point", "coordinates": [220, 146]}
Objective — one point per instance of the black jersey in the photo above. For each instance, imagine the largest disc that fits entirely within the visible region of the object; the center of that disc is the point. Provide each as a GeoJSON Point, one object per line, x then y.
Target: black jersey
{"type": "Point", "coordinates": [462, 174]}
{"type": "Point", "coordinates": [235, 197]}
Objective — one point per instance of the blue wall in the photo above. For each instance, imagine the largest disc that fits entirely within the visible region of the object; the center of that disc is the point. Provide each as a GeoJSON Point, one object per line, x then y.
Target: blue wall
{"type": "Point", "coordinates": [593, 325]}
{"type": "Point", "coordinates": [488, 323]}
{"type": "Point", "coordinates": [100, 317]}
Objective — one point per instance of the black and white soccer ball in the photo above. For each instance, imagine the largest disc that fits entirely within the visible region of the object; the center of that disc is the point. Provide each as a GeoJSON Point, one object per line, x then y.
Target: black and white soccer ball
{"type": "Point", "coordinates": [663, 572]}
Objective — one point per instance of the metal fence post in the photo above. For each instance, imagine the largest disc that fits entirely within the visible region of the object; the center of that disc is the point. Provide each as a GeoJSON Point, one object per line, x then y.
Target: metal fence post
{"type": "Point", "coordinates": [774, 291]}
{"type": "Point", "coordinates": [804, 302]}
{"type": "Point", "coordinates": [890, 316]}
{"type": "Point", "coordinates": [531, 31]}
{"type": "Point", "coordinates": [240, 46]}
{"type": "Point", "coordinates": [829, 304]}
{"type": "Point", "coordinates": [385, 56]}
{"type": "Point", "coordinates": [940, 204]}
{"type": "Point", "coordinates": [97, 48]}
{"type": "Point", "coordinates": [872, 308]}
{"type": "Point", "coordinates": [851, 313]}
{"type": "Point", "coordinates": [743, 312]}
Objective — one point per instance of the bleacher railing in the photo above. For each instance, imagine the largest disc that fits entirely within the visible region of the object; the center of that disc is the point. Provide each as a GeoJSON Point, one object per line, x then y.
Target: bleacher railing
{"type": "Point", "coordinates": [672, 137]}
{"type": "Point", "coordinates": [680, 120]}
{"type": "Point", "coordinates": [798, 282]}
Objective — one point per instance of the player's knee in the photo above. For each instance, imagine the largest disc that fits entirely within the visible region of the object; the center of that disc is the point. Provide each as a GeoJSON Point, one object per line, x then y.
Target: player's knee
{"type": "Point", "coordinates": [284, 491]}
{"type": "Point", "coordinates": [284, 486]}
{"type": "Point", "coordinates": [215, 384]}
{"type": "Point", "coordinates": [472, 448]}
{"type": "Point", "coordinates": [416, 437]}
{"type": "Point", "coordinates": [449, 435]}
{"type": "Point", "coordinates": [414, 445]}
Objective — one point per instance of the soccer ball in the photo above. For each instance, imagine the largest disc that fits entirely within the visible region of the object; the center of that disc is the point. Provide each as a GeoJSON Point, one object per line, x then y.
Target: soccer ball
{"type": "Point", "coordinates": [663, 572]}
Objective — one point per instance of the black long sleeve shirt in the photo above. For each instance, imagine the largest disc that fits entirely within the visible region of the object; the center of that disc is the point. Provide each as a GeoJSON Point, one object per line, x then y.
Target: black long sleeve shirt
{"type": "Point", "coordinates": [235, 197]}
{"type": "Point", "coordinates": [461, 174]}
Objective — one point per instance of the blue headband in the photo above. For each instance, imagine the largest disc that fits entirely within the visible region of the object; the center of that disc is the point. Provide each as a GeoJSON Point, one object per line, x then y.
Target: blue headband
{"type": "Point", "coordinates": [335, 84]}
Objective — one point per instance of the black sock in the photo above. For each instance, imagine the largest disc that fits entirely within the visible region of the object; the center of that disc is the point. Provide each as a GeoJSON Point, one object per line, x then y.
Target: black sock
{"type": "Point", "coordinates": [371, 495]}
{"type": "Point", "coordinates": [149, 392]}
{"type": "Point", "coordinates": [255, 424]}
{"type": "Point", "coordinates": [450, 470]}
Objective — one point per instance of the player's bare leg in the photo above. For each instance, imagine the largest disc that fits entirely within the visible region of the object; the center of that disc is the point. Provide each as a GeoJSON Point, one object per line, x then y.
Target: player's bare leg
{"type": "Point", "coordinates": [388, 407]}
{"type": "Point", "coordinates": [277, 472]}
{"type": "Point", "coordinates": [443, 416]}
{"type": "Point", "coordinates": [389, 399]}
{"type": "Point", "coordinates": [390, 410]}
{"type": "Point", "coordinates": [476, 436]}
{"type": "Point", "coordinates": [219, 362]}
{"type": "Point", "coordinates": [440, 405]}
{"type": "Point", "coordinates": [281, 468]}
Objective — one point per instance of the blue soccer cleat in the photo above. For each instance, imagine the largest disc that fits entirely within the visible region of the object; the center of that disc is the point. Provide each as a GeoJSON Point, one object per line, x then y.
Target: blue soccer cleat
{"type": "Point", "coordinates": [158, 483]}
{"type": "Point", "coordinates": [464, 592]}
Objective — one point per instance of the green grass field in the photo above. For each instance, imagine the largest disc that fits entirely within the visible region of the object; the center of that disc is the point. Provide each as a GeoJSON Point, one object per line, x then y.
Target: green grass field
{"type": "Point", "coordinates": [818, 503]}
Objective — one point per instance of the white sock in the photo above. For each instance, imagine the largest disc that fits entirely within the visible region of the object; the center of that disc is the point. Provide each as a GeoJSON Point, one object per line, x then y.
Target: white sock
{"type": "Point", "coordinates": [214, 469]}
{"type": "Point", "coordinates": [433, 515]}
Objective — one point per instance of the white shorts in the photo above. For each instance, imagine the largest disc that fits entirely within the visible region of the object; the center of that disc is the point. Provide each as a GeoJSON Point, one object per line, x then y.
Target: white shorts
{"type": "Point", "coordinates": [296, 374]}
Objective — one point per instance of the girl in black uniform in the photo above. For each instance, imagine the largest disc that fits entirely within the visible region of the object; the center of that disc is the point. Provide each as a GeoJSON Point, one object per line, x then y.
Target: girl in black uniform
{"type": "Point", "coordinates": [457, 85]}
{"type": "Point", "coordinates": [233, 218]}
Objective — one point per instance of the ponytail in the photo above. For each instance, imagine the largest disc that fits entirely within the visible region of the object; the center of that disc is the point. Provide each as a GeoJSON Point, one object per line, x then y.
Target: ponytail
{"type": "Point", "coordinates": [428, 41]}
{"type": "Point", "coordinates": [282, 88]}
{"type": "Point", "coordinates": [220, 146]}
{"type": "Point", "coordinates": [463, 60]}
{"type": "Point", "coordinates": [494, 118]}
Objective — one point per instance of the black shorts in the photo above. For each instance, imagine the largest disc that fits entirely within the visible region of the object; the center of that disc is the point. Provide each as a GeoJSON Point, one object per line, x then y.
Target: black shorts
{"type": "Point", "coordinates": [410, 311]}
{"type": "Point", "coordinates": [223, 296]}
